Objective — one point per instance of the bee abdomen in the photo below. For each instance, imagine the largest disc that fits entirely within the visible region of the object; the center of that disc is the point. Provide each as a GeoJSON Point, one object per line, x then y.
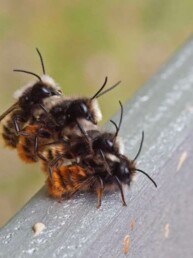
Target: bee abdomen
{"type": "Point", "coordinates": [9, 136]}
{"type": "Point", "coordinates": [67, 180]}
{"type": "Point", "coordinates": [55, 155]}
{"type": "Point", "coordinates": [25, 150]}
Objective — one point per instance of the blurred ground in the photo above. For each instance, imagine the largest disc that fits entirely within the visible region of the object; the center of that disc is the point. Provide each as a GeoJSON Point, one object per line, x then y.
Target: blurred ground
{"type": "Point", "coordinates": [81, 42]}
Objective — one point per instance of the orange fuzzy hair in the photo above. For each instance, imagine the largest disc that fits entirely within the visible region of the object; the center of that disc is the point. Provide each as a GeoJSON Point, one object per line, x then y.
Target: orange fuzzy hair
{"type": "Point", "coordinates": [67, 180]}
{"type": "Point", "coordinates": [25, 146]}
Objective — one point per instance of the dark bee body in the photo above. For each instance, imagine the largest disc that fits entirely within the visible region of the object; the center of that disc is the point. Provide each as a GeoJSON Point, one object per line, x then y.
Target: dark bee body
{"type": "Point", "coordinates": [74, 115]}
{"type": "Point", "coordinates": [69, 114]}
{"type": "Point", "coordinates": [93, 174]}
{"type": "Point", "coordinates": [29, 100]}
{"type": "Point", "coordinates": [79, 147]}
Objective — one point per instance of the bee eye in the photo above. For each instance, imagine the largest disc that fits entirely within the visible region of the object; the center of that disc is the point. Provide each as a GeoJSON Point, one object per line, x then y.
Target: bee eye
{"type": "Point", "coordinates": [109, 143]}
{"type": "Point", "coordinates": [83, 108]}
{"type": "Point", "coordinates": [124, 169]}
{"type": "Point", "coordinates": [46, 91]}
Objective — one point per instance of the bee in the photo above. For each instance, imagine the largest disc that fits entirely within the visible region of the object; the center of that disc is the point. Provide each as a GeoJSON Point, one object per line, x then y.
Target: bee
{"type": "Point", "coordinates": [103, 167]}
{"type": "Point", "coordinates": [96, 174]}
{"type": "Point", "coordinates": [71, 114]}
{"type": "Point", "coordinates": [30, 99]}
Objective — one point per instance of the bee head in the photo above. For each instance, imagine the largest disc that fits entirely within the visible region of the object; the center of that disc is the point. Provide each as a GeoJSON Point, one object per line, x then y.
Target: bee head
{"type": "Point", "coordinates": [44, 89]}
{"type": "Point", "coordinates": [124, 169]}
{"type": "Point", "coordinates": [83, 109]}
{"type": "Point", "coordinates": [108, 143]}
{"type": "Point", "coordinates": [35, 93]}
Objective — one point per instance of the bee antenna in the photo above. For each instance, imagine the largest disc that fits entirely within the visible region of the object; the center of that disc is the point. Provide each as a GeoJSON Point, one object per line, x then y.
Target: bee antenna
{"type": "Point", "coordinates": [121, 118]}
{"type": "Point", "coordinates": [139, 170]}
{"type": "Point", "coordinates": [23, 71]}
{"type": "Point", "coordinates": [109, 89]}
{"type": "Point", "coordinates": [120, 121]}
{"type": "Point", "coordinates": [41, 60]}
{"type": "Point", "coordinates": [101, 88]}
{"type": "Point", "coordinates": [117, 129]}
{"type": "Point", "coordinates": [140, 147]}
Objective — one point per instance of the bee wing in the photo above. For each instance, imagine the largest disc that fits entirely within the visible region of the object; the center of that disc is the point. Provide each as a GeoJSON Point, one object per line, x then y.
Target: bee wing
{"type": "Point", "coordinates": [9, 110]}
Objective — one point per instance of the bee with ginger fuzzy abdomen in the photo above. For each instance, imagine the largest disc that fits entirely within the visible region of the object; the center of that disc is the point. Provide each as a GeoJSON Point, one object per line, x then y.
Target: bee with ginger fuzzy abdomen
{"type": "Point", "coordinates": [100, 173]}
{"type": "Point", "coordinates": [30, 99]}
{"type": "Point", "coordinates": [71, 114]}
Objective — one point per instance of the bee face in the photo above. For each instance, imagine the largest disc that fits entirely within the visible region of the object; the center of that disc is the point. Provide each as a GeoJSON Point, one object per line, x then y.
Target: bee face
{"type": "Point", "coordinates": [81, 109]}
{"type": "Point", "coordinates": [37, 93]}
{"type": "Point", "coordinates": [51, 86]}
{"type": "Point", "coordinates": [105, 142]}
{"type": "Point", "coordinates": [41, 90]}
{"type": "Point", "coordinates": [124, 169]}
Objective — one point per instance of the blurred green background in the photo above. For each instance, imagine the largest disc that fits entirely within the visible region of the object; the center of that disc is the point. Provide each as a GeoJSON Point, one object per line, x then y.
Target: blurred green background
{"type": "Point", "coordinates": [81, 42]}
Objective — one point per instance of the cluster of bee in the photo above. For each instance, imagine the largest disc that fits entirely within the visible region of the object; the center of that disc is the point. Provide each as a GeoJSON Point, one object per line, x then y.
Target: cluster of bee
{"type": "Point", "coordinates": [61, 133]}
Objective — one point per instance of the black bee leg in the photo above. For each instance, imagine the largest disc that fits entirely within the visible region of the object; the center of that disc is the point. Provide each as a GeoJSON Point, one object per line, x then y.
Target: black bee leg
{"type": "Point", "coordinates": [55, 161]}
{"type": "Point", "coordinates": [43, 108]}
{"type": "Point", "coordinates": [50, 171]}
{"type": "Point", "coordinates": [121, 190]}
{"type": "Point", "coordinates": [36, 149]}
{"type": "Point", "coordinates": [50, 168]}
{"type": "Point", "coordinates": [100, 190]}
{"type": "Point", "coordinates": [36, 145]}
{"type": "Point", "coordinates": [52, 164]}
{"type": "Point", "coordinates": [40, 156]}
{"type": "Point", "coordinates": [17, 129]}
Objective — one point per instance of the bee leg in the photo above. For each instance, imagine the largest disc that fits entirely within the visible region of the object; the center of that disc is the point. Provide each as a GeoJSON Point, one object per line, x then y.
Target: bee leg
{"type": "Point", "coordinates": [17, 128]}
{"type": "Point", "coordinates": [54, 162]}
{"type": "Point", "coordinates": [36, 145]}
{"type": "Point", "coordinates": [43, 108]}
{"type": "Point", "coordinates": [121, 190]}
{"type": "Point", "coordinates": [100, 190]}
{"type": "Point", "coordinates": [36, 149]}
{"type": "Point", "coordinates": [40, 156]}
